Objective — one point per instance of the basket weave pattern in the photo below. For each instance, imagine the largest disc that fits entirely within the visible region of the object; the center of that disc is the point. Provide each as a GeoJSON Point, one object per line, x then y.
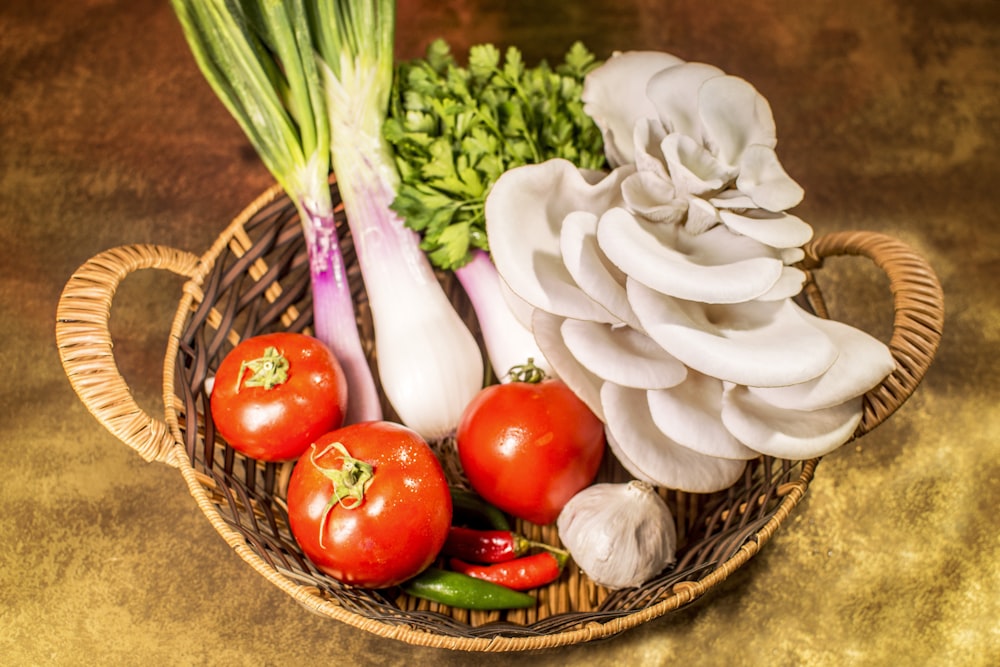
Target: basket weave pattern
{"type": "Point", "coordinates": [255, 279]}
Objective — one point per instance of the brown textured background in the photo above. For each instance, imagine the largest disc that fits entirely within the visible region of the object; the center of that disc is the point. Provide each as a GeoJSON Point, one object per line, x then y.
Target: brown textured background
{"type": "Point", "coordinates": [887, 114]}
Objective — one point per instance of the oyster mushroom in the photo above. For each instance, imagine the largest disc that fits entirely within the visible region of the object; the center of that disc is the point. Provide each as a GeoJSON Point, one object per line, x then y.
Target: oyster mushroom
{"type": "Point", "coordinates": [621, 355]}
{"type": "Point", "coordinates": [661, 292]}
{"type": "Point", "coordinates": [715, 266]}
{"type": "Point", "coordinates": [590, 268]}
{"type": "Point", "coordinates": [585, 384]}
{"type": "Point", "coordinates": [648, 454]}
{"type": "Point", "coordinates": [614, 95]}
{"type": "Point", "coordinates": [790, 434]}
{"type": "Point", "coordinates": [760, 343]}
{"type": "Point", "coordinates": [524, 213]}
{"type": "Point", "coordinates": [690, 414]}
{"type": "Point", "coordinates": [862, 363]}
{"type": "Point", "coordinates": [778, 230]}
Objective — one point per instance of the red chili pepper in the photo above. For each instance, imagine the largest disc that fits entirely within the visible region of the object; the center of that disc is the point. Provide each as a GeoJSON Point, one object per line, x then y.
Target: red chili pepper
{"type": "Point", "coordinates": [484, 546]}
{"type": "Point", "coordinates": [520, 574]}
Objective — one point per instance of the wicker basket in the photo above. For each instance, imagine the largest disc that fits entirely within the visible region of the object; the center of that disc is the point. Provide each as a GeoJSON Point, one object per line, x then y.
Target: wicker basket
{"type": "Point", "coordinates": [255, 279]}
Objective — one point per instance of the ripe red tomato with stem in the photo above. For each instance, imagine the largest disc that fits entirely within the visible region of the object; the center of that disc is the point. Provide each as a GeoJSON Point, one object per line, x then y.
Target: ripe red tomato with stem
{"type": "Point", "coordinates": [529, 445]}
{"type": "Point", "coordinates": [274, 394]}
{"type": "Point", "coordinates": [369, 504]}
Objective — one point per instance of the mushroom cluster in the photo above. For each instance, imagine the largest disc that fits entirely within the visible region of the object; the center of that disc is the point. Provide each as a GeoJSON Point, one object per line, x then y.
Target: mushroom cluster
{"type": "Point", "coordinates": [661, 291]}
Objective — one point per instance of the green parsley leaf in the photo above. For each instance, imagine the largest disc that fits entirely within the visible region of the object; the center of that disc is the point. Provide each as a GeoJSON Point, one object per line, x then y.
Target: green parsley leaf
{"type": "Point", "coordinates": [456, 129]}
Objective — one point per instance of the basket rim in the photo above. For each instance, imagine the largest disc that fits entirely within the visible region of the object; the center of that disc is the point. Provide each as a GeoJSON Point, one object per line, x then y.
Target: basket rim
{"type": "Point", "coordinates": [681, 594]}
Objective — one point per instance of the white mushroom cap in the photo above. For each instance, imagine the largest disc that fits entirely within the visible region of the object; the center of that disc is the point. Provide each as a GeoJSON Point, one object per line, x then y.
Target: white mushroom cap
{"type": "Point", "coordinates": [791, 434]}
{"type": "Point", "coordinates": [690, 414]}
{"type": "Point", "coordinates": [862, 363]}
{"type": "Point", "coordinates": [764, 179]}
{"type": "Point", "coordinates": [734, 117]}
{"type": "Point", "coordinates": [582, 382]}
{"type": "Point", "coordinates": [590, 268]}
{"type": "Point", "coordinates": [614, 95]}
{"type": "Point", "coordinates": [759, 343]}
{"type": "Point", "coordinates": [675, 92]}
{"type": "Point", "coordinates": [649, 454]}
{"type": "Point", "coordinates": [716, 266]}
{"type": "Point", "coordinates": [778, 230]}
{"type": "Point", "coordinates": [621, 355]}
{"type": "Point", "coordinates": [524, 214]}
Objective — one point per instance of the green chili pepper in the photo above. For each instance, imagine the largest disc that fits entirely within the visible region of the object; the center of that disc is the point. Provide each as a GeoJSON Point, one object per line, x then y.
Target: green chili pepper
{"type": "Point", "coordinates": [468, 504]}
{"type": "Point", "coordinates": [465, 592]}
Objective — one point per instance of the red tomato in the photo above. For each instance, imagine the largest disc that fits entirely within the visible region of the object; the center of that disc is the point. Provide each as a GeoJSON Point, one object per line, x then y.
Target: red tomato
{"type": "Point", "coordinates": [394, 508]}
{"type": "Point", "coordinates": [528, 448]}
{"type": "Point", "coordinates": [274, 394]}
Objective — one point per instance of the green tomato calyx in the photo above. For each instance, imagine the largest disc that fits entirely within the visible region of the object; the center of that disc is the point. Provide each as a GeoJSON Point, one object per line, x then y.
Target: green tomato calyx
{"type": "Point", "coordinates": [527, 372]}
{"type": "Point", "coordinates": [267, 371]}
{"type": "Point", "coordinates": [350, 481]}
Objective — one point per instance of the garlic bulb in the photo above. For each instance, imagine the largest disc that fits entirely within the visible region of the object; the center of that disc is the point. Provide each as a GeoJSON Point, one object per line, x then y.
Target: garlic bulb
{"type": "Point", "coordinates": [620, 535]}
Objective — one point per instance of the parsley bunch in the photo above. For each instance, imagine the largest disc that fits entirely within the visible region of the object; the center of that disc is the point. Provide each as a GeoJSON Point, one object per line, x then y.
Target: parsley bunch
{"type": "Point", "coordinates": [455, 130]}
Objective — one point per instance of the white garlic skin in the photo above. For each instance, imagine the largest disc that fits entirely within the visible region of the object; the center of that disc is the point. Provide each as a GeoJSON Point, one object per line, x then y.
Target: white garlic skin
{"type": "Point", "coordinates": [620, 535]}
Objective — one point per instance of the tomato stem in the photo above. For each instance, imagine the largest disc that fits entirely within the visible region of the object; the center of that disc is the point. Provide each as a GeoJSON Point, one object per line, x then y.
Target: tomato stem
{"type": "Point", "coordinates": [267, 371]}
{"type": "Point", "coordinates": [350, 481]}
{"type": "Point", "coordinates": [527, 372]}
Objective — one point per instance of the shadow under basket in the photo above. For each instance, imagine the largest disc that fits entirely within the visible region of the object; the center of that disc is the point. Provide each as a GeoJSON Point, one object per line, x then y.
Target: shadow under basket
{"type": "Point", "coordinates": [255, 279]}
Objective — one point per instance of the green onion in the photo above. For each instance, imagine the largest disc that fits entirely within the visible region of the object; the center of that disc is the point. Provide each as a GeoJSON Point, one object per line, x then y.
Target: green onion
{"type": "Point", "coordinates": [429, 363]}
{"type": "Point", "coordinates": [258, 58]}
{"type": "Point", "coordinates": [310, 87]}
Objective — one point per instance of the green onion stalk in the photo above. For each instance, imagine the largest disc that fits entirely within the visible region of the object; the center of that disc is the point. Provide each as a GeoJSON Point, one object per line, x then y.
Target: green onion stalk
{"type": "Point", "coordinates": [430, 365]}
{"type": "Point", "coordinates": [258, 57]}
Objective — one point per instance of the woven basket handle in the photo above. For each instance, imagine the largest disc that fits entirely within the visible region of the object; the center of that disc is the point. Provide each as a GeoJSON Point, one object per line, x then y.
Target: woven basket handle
{"type": "Point", "coordinates": [85, 346]}
{"type": "Point", "coordinates": [918, 302]}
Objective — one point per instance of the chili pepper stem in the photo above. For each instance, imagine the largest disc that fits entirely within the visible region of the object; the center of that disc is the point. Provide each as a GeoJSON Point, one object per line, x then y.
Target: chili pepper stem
{"type": "Point", "coordinates": [561, 555]}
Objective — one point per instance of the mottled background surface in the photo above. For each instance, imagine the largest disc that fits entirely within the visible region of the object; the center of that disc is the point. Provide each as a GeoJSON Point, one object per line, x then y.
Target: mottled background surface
{"type": "Point", "coordinates": [887, 114]}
